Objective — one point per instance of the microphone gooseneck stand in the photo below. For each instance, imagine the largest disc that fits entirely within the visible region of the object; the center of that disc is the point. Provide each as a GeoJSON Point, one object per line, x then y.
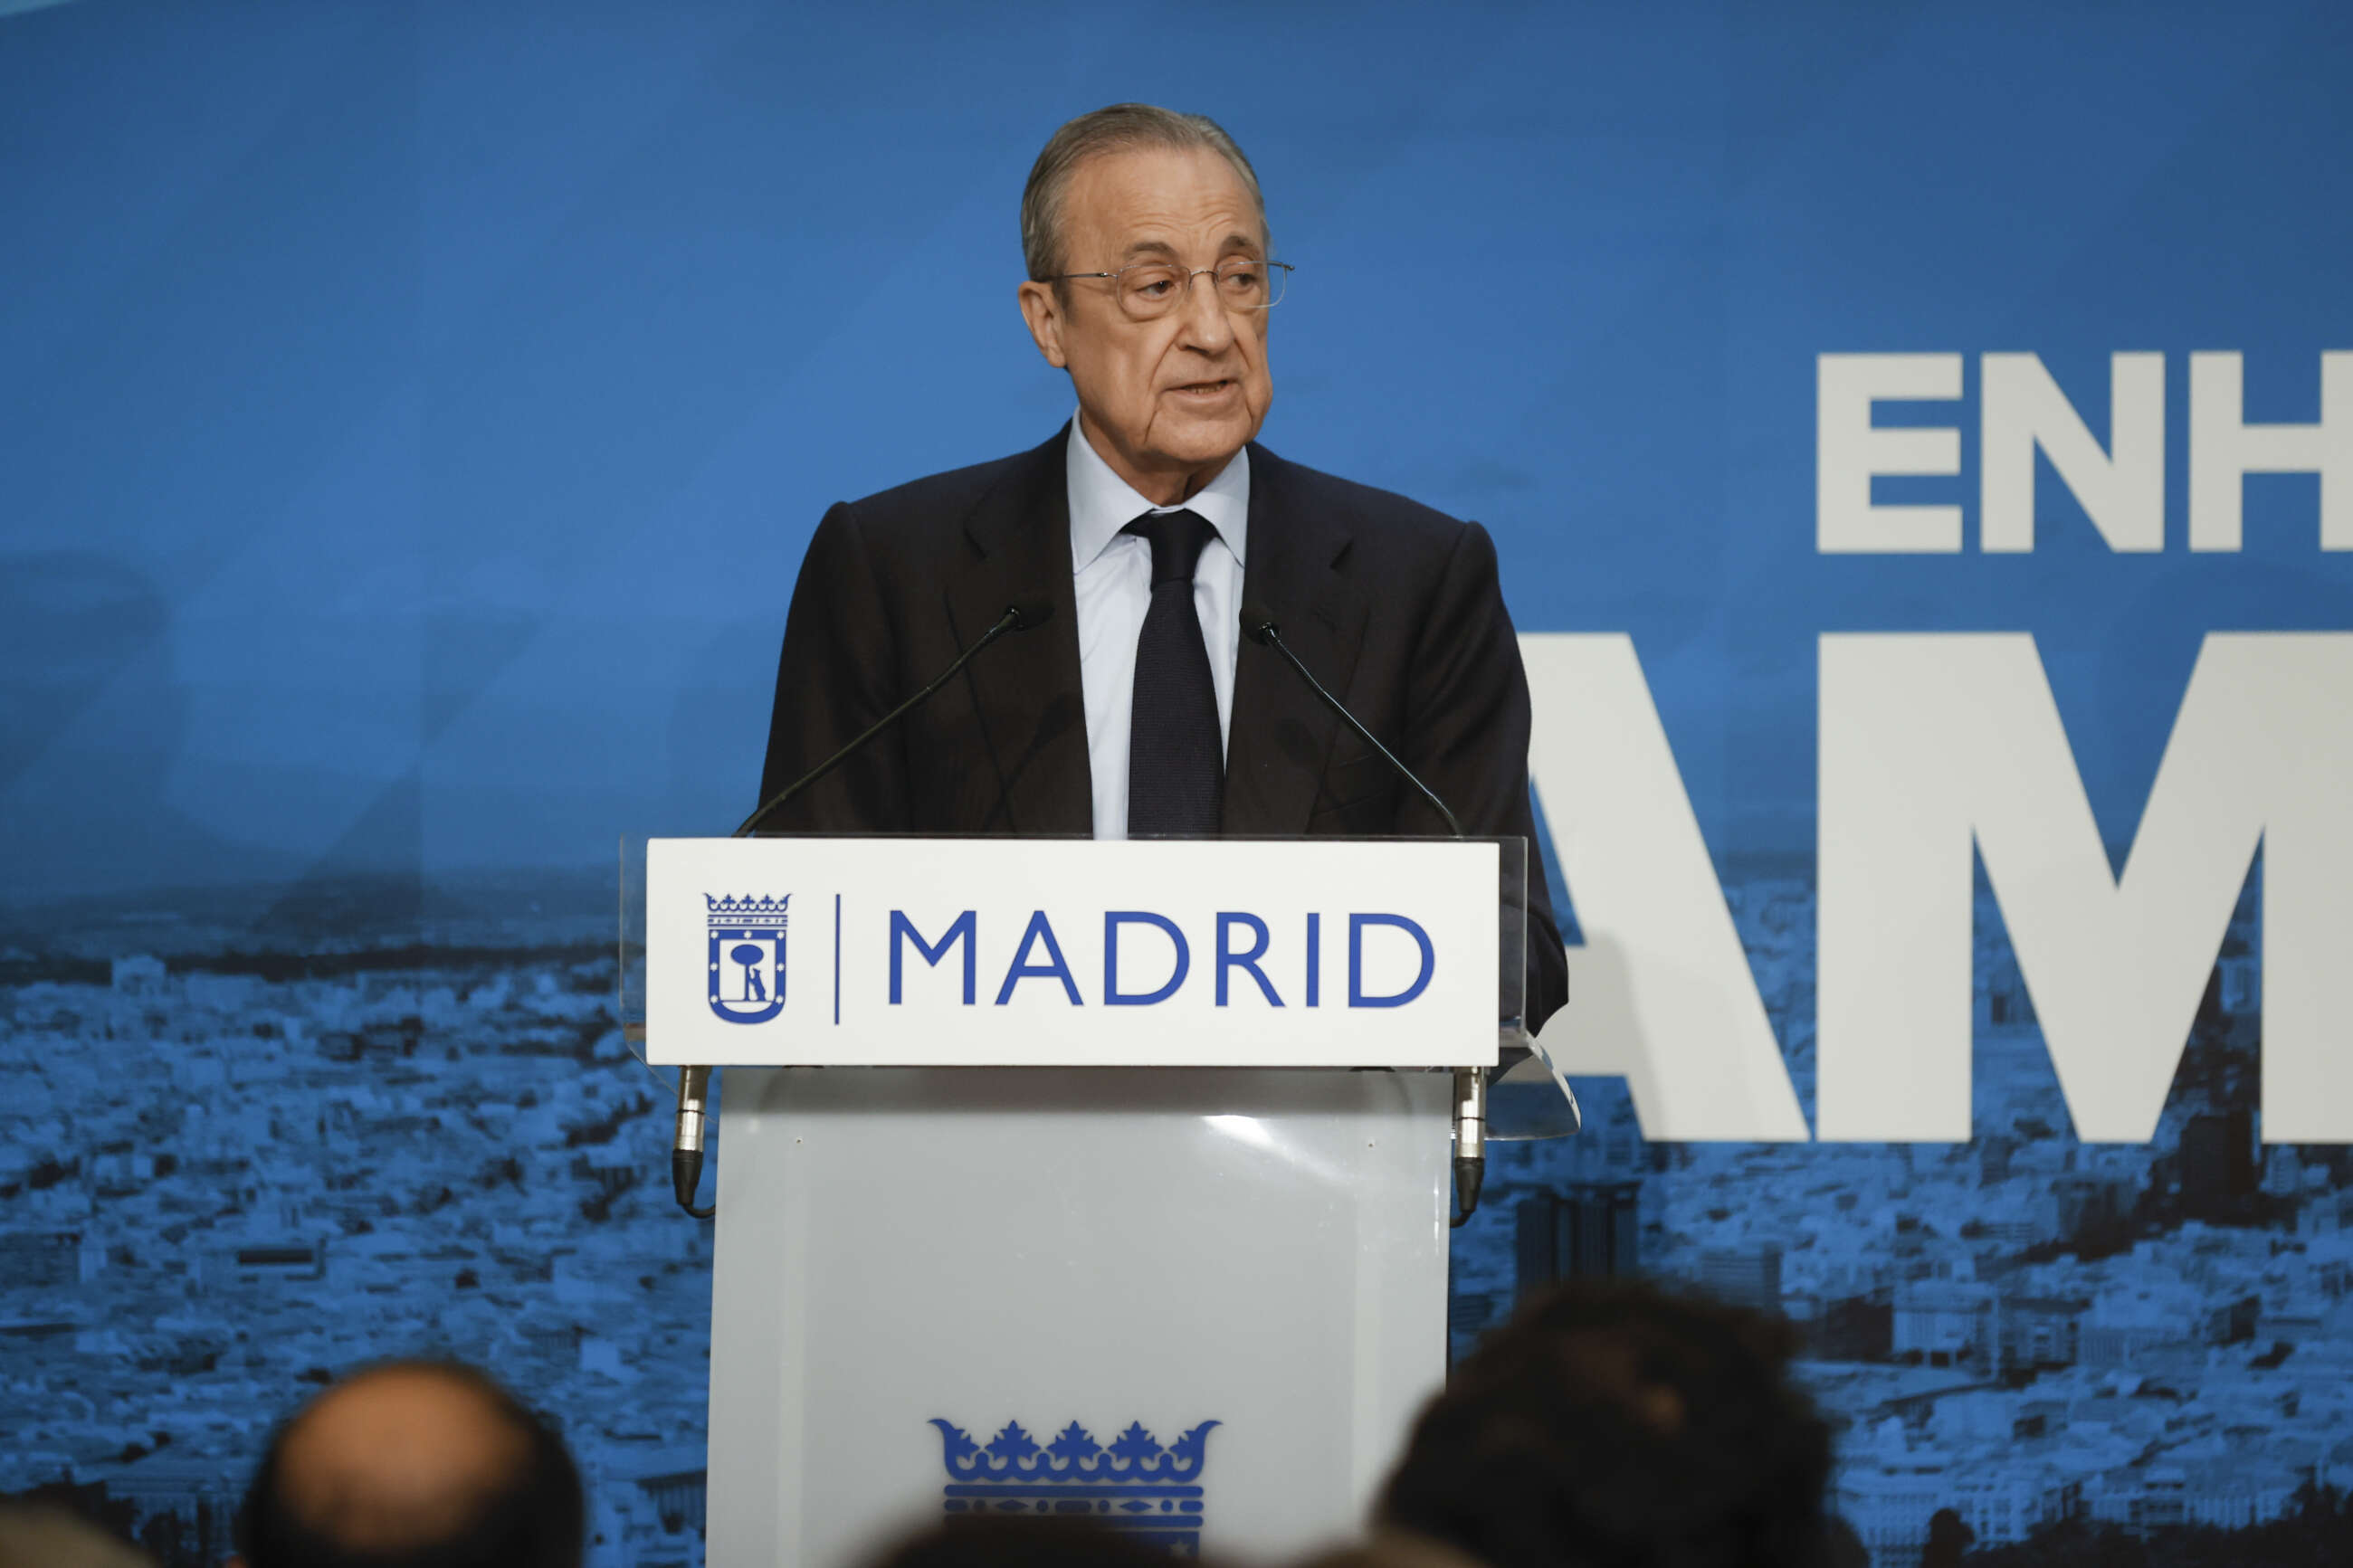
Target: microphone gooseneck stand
{"type": "Point", "coordinates": [694, 1082]}
{"type": "Point", "coordinates": [1470, 1083]}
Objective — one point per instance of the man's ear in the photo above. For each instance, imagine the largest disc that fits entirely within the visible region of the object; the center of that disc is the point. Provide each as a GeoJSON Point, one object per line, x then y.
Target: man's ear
{"type": "Point", "coordinates": [1043, 310]}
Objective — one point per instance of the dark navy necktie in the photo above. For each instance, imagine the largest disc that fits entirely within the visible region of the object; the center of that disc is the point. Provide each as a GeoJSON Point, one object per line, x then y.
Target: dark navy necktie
{"type": "Point", "coordinates": [1175, 755]}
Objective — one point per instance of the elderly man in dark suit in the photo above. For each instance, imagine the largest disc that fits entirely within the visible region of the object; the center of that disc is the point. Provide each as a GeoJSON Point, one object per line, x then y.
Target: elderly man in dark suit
{"type": "Point", "coordinates": [1147, 523]}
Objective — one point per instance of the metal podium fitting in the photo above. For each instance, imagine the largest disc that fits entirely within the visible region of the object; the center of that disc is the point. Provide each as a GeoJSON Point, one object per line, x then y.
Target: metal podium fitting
{"type": "Point", "coordinates": [1470, 1140]}
{"type": "Point", "coordinates": [686, 1142]}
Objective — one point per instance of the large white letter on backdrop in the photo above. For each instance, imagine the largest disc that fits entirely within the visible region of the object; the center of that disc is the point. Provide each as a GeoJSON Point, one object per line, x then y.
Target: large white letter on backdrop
{"type": "Point", "coordinates": [1660, 992]}
{"type": "Point", "coordinates": [2121, 491]}
{"type": "Point", "coordinates": [1849, 451]}
{"type": "Point", "coordinates": [1930, 743]}
{"type": "Point", "coordinates": [2224, 449]}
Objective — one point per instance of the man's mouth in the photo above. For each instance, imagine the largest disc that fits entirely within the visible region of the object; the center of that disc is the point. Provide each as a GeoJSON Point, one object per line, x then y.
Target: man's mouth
{"type": "Point", "coordinates": [1204, 388]}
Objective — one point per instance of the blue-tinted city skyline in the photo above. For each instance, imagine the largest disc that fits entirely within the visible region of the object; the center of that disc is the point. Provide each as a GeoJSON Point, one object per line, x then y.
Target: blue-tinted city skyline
{"type": "Point", "coordinates": [366, 1137]}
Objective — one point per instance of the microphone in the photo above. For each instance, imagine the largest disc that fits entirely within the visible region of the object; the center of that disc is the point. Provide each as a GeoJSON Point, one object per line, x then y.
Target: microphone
{"type": "Point", "coordinates": [1020, 617]}
{"type": "Point", "coordinates": [1261, 628]}
{"type": "Point", "coordinates": [1470, 1083]}
{"type": "Point", "coordinates": [694, 1082]}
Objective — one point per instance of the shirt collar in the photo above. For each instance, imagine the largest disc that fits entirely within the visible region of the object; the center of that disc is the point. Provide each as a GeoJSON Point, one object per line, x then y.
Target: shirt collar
{"type": "Point", "coordinates": [1101, 503]}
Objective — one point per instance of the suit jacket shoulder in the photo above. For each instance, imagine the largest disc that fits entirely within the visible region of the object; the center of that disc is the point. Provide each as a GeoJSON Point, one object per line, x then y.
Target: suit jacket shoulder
{"type": "Point", "coordinates": [923, 510]}
{"type": "Point", "coordinates": [1385, 516]}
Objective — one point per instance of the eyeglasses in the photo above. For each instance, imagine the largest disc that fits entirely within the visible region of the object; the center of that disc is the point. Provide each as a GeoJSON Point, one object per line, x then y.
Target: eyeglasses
{"type": "Point", "coordinates": [1150, 289]}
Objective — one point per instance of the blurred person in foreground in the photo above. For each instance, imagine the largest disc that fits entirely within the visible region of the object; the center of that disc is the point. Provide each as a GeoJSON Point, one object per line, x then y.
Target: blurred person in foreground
{"type": "Point", "coordinates": [33, 1536]}
{"type": "Point", "coordinates": [995, 1541]}
{"type": "Point", "coordinates": [1614, 1425]}
{"type": "Point", "coordinates": [414, 1465]}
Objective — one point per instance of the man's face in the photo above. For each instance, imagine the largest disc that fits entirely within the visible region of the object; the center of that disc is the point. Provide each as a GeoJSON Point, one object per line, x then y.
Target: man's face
{"type": "Point", "coordinates": [1167, 401]}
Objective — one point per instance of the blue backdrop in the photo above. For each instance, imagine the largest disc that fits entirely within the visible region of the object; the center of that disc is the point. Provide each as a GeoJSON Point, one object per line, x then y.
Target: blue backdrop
{"type": "Point", "coordinates": [414, 416]}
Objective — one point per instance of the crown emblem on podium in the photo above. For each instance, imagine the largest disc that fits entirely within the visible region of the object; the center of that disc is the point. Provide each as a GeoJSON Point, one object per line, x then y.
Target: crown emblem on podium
{"type": "Point", "coordinates": [733, 912]}
{"type": "Point", "coordinates": [1148, 1492]}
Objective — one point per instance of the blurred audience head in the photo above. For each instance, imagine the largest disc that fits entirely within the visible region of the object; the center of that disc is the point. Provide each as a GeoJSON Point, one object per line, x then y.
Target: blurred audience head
{"type": "Point", "coordinates": [996, 1541]}
{"type": "Point", "coordinates": [1842, 1547]}
{"type": "Point", "coordinates": [1613, 1425]}
{"type": "Point", "coordinates": [36, 1537]}
{"type": "Point", "coordinates": [414, 1465]}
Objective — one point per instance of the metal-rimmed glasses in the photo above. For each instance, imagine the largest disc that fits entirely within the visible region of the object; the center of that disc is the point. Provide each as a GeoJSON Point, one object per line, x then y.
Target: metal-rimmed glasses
{"type": "Point", "coordinates": [1148, 289]}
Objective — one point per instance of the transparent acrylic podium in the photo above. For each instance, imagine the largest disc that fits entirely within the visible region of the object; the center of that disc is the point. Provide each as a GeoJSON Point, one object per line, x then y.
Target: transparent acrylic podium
{"type": "Point", "coordinates": [1201, 1304]}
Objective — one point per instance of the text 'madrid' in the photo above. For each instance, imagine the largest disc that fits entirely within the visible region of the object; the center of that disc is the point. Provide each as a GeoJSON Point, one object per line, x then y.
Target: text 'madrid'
{"type": "Point", "coordinates": [970, 951]}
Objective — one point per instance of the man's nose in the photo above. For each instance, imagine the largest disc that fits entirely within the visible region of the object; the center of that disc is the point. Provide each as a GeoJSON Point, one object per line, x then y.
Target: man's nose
{"type": "Point", "coordinates": [1209, 325]}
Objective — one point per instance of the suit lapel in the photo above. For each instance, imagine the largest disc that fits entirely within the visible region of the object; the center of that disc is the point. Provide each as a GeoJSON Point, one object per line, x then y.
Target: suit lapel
{"type": "Point", "coordinates": [1032, 711]}
{"type": "Point", "coordinates": [1280, 737]}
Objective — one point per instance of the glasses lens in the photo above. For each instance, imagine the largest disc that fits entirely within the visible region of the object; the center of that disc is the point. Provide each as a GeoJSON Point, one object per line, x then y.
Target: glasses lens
{"type": "Point", "coordinates": [1242, 284]}
{"type": "Point", "coordinates": [1150, 290]}
{"type": "Point", "coordinates": [1245, 284]}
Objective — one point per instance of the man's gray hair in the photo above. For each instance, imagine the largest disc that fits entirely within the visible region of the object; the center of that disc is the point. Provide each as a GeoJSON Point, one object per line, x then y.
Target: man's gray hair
{"type": "Point", "coordinates": [1118, 129]}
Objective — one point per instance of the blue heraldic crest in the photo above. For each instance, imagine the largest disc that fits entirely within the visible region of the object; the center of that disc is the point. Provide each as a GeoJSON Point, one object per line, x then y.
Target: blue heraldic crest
{"type": "Point", "coordinates": [1148, 1493]}
{"type": "Point", "coordinates": [747, 957]}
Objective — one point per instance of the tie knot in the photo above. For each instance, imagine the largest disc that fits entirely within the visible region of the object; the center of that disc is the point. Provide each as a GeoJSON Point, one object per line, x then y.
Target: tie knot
{"type": "Point", "coordinates": [1177, 538]}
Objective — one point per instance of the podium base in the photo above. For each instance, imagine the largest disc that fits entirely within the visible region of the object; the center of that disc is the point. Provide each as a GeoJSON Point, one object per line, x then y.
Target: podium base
{"type": "Point", "coordinates": [1200, 1305]}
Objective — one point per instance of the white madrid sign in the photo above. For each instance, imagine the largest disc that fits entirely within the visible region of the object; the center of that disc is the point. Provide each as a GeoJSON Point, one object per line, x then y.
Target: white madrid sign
{"type": "Point", "coordinates": [976, 952]}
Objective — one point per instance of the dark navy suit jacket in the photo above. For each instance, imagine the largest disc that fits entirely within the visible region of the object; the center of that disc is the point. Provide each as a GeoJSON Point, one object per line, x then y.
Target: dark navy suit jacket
{"type": "Point", "coordinates": [1395, 608]}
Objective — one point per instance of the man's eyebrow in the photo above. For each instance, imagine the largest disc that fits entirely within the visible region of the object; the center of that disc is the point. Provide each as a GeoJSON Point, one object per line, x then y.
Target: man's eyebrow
{"type": "Point", "coordinates": [1236, 241]}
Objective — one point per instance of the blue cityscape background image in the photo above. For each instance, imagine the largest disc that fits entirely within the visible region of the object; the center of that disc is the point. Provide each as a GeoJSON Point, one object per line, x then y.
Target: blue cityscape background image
{"type": "Point", "coordinates": [415, 418]}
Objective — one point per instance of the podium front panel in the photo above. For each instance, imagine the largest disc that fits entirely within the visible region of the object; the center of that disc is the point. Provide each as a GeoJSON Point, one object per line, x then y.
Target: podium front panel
{"type": "Point", "coordinates": [1201, 1307]}
{"type": "Point", "coordinates": [993, 952]}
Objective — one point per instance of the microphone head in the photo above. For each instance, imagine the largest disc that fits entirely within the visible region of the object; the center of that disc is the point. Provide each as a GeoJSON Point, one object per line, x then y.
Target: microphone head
{"type": "Point", "coordinates": [1030, 614]}
{"type": "Point", "coordinates": [1258, 626]}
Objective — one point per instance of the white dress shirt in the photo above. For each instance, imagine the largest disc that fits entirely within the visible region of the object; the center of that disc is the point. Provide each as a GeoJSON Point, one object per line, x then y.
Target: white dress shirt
{"type": "Point", "coordinates": [1112, 573]}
